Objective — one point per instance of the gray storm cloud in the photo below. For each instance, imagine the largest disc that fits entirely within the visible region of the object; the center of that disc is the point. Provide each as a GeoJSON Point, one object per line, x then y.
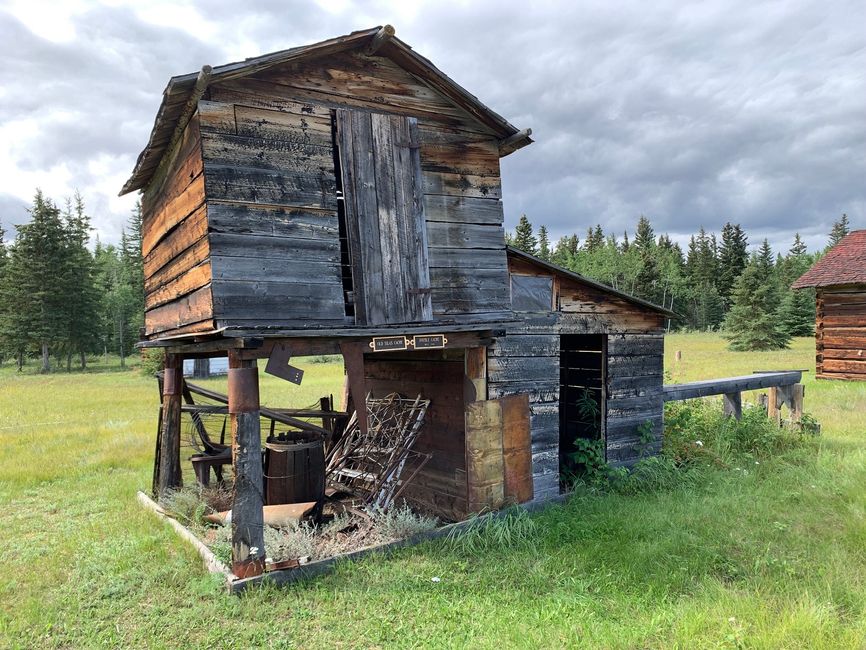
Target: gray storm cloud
{"type": "Point", "coordinates": [690, 114]}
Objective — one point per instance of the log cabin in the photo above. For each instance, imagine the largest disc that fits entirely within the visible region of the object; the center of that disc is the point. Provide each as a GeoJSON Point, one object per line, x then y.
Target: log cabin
{"type": "Point", "coordinates": [345, 198]}
{"type": "Point", "coordinates": [839, 279]}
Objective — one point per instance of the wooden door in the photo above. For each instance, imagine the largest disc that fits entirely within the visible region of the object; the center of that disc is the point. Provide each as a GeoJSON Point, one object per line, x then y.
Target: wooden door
{"type": "Point", "coordinates": [381, 173]}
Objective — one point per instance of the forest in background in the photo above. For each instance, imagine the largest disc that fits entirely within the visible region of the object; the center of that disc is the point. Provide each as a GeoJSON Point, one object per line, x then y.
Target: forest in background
{"type": "Point", "coordinates": [715, 285]}
{"type": "Point", "coordinates": [62, 299]}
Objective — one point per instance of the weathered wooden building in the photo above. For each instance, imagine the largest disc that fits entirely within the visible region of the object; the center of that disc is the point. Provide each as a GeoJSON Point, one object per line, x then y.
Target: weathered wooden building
{"type": "Point", "coordinates": [345, 197]}
{"type": "Point", "coordinates": [839, 279]}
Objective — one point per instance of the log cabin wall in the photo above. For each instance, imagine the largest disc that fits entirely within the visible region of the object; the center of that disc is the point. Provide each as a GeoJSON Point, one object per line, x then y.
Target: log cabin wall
{"type": "Point", "coordinates": [175, 247]}
{"type": "Point", "coordinates": [527, 360]}
{"type": "Point", "coordinates": [840, 331]}
{"type": "Point", "coordinates": [269, 173]}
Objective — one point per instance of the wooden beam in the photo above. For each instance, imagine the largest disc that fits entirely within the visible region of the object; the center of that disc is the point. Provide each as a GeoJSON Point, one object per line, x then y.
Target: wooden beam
{"type": "Point", "coordinates": [514, 142]}
{"type": "Point", "coordinates": [169, 443]}
{"type": "Point", "coordinates": [774, 405]}
{"type": "Point", "coordinates": [381, 37]}
{"type": "Point", "coordinates": [692, 390]}
{"type": "Point", "coordinates": [798, 392]}
{"type": "Point", "coordinates": [248, 539]}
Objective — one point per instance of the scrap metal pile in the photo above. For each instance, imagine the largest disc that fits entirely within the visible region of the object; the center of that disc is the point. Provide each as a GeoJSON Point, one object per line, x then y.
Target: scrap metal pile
{"type": "Point", "coordinates": [371, 465]}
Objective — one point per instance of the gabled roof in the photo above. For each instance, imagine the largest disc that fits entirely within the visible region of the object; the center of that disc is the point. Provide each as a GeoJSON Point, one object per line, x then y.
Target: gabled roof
{"type": "Point", "coordinates": [845, 263]}
{"type": "Point", "coordinates": [181, 91]}
{"type": "Point", "coordinates": [559, 270]}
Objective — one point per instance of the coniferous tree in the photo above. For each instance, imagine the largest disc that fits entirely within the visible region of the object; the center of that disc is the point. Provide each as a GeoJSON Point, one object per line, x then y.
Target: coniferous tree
{"type": "Point", "coordinates": [543, 244]}
{"type": "Point", "coordinates": [644, 237]}
{"type": "Point", "coordinates": [840, 229]}
{"type": "Point", "coordinates": [33, 296]}
{"type": "Point", "coordinates": [566, 250]}
{"type": "Point", "coordinates": [82, 307]}
{"type": "Point", "coordinates": [797, 309]}
{"type": "Point", "coordinates": [523, 237]}
{"type": "Point", "coordinates": [733, 256]}
{"type": "Point", "coordinates": [752, 323]}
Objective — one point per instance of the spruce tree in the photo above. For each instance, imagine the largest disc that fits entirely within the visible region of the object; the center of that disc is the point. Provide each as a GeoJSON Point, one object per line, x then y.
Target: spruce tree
{"type": "Point", "coordinates": [523, 237]}
{"type": "Point", "coordinates": [733, 256]}
{"type": "Point", "coordinates": [83, 300]}
{"type": "Point", "coordinates": [797, 309]}
{"type": "Point", "coordinates": [752, 323]}
{"type": "Point", "coordinates": [644, 238]}
{"type": "Point", "coordinates": [33, 294]}
{"type": "Point", "coordinates": [543, 244]}
{"type": "Point", "coordinates": [840, 229]}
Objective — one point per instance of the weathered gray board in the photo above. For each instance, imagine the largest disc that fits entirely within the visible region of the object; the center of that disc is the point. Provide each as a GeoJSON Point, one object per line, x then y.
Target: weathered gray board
{"type": "Point", "coordinates": [381, 170]}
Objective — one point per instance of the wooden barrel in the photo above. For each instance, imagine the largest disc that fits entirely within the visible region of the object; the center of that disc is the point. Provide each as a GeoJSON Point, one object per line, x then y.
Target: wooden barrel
{"type": "Point", "coordinates": [294, 468]}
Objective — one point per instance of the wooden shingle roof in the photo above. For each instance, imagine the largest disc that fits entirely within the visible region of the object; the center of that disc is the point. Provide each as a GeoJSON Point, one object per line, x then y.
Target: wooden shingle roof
{"type": "Point", "coordinates": [845, 263]}
{"type": "Point", "coordinates": [181, 90]}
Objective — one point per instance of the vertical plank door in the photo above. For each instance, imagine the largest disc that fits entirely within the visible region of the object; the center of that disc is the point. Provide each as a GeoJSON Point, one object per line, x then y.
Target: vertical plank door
{"type": "Point", "coordinates": [381, 171]}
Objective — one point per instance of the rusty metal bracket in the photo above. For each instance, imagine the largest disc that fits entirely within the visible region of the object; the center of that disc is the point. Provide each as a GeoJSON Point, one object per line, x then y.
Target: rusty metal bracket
{"type": "Point", "coordinates": [278, 365]}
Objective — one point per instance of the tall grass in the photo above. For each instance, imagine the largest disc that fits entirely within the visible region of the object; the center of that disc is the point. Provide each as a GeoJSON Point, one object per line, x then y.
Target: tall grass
{"type": "Point", "coordinates": [766, 556]}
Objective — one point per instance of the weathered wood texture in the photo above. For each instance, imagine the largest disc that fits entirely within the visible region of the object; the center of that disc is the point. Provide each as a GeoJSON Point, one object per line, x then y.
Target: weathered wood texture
{"type": "Point", "coordinates": [248, 542]}
{"type": "Point", "coordinates": [177, 272]}
{"type": "Point", "coordinates": [840, 333]}
{"type": "Point", "coordinates": [439, 377]}
{"type": "Point", "coordinates": [385, 216]}
{"type": "Point", "coordinates": [169, 476]}
{"type": "Point", "coordinates": [529, 364]}
{"type": "Point", "coordinates": [634, 403]}
{"type": "Point", "coordinates": [266, 140]}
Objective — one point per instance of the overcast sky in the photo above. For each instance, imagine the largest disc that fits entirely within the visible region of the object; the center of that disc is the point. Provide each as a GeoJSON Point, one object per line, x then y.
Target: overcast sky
{"type": "Point", "coordinates": [690, 113]}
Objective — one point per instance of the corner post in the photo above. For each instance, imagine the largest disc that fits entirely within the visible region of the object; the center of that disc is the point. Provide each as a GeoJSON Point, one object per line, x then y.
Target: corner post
{"type": "Point", "coordinates": [248, 535]}
{"type": "Point", "coordinates": [169, 444]}
{"type": "Point", "coordinates": [774, 405]}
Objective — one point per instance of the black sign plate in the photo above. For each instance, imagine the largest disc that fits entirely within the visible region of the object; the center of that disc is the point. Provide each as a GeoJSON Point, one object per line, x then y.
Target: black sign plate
{"type": "Point", "coordinates": [429, 341]}
{"type": "Point", "coordinates": [388, 343]}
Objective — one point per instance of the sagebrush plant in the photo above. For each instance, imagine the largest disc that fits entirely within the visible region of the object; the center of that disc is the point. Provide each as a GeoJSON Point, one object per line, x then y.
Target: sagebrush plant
{"type": "Point", "coordinates": [400, 522]}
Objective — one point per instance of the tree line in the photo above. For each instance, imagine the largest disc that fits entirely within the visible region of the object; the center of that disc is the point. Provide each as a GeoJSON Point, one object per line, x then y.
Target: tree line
{"type": "Point", "coordinates": [716, 284]}
{"type": "Point", "coordinates": [60, 300]}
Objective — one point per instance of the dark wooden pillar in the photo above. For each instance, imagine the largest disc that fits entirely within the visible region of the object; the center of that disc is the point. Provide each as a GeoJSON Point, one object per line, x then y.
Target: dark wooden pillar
{"type": "Point", "coordinates": [169, 443]}
{"type": "Point", "coordinates": [248, 539]}
{"type": "Point", "coordinates": [353, 358]}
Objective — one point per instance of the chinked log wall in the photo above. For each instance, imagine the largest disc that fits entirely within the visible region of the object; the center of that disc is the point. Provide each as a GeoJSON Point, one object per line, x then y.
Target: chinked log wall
{"type": "Point", "coordinates": [260, 149]}
{"type": "Point", "coordinates": [841, 333]}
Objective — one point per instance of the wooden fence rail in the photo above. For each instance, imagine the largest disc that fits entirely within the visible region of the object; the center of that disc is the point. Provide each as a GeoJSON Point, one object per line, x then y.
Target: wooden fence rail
{"type": "Point", "coordinates": [784, 388]}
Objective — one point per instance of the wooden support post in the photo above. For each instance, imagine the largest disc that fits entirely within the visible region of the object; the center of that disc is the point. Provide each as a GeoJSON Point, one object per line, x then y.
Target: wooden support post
{"type": "Point", "coordinates": [798, 392]}
{"type": "Point", "coordinates": [248, 535]}
{"type": "Point", "coordinates": [733, 405]}
{"type": "Point", "coordinates": [475, 375]}
{"type": "Point", "coordinates": [169, 443]}
{"type": "Point", "coordinates": [353, 357]}
{"type": "Point", "coordinates": [774, 405]}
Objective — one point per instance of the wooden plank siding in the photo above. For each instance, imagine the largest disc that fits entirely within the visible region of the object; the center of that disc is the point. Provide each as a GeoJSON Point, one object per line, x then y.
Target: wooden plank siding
{"type": "Point", "coordinates": [840, 333]}
{"type": "Point", "coordinates": [527, 360]}
{"type": "Point", "coordinates": [272, 219]}
{"type": "Point", "coordinates": [266, 142]}
{"type": "Point", "coordinates": [177, 270]}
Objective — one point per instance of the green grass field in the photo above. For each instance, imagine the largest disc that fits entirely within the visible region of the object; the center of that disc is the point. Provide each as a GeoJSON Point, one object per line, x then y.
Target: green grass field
{"type": "Point", "coordinates": [769, 558]}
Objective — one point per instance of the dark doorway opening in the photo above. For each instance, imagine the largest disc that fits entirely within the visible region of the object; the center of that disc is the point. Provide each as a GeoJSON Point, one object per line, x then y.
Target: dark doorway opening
{"type": "Point", "coordinates": [581, 402]}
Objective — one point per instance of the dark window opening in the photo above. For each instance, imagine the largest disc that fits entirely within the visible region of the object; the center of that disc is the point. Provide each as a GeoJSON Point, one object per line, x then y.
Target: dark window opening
{"type": "Point", "coordinates": [345, 255]}
{"type": "Point", "coordinates": [581, 402]}
{"type": "Point", "coordinates": [531, 292]}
